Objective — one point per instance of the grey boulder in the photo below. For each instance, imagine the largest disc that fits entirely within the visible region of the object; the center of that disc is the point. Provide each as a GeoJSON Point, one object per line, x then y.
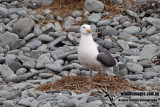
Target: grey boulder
{"type": "Point", "coordinates": [3, 12]}
{"type": "Point", "coordinates": [154, 21]}
{"type": "Point", "coordinates": [27, 61]}
{"type": "Point", "coordinates": [95, 17]}
{"type": "Point", "coordinates": [17, 44]}
{"type": "Point", "coordinates": [54, 67]}
{"type": "Point", "coordinates": [42, 60]}
{"type": "Point", "coordinates": [148, 51]}
{"type": "Point", "coordinates": [133, 67]}
{"type": "Point", "coordinates": [45, 2]}
{"type": "Point", "coordinates": [23, 26]}
{"type": "Point", "coordinates": [7, 38]}
{"type": "Point", "coordinates": [132, 30]}
{"type": "Point", "coordinates": [94, 5]}
{"type": "Point", "coordinates": [5, 71]}
{"type": "Point", "coordinates": [155, 37]}
{"type": "Point", "coordinates": [109, 32]}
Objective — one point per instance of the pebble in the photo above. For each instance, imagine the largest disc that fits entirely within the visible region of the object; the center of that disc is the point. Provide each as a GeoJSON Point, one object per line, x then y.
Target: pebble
{"type": "Point", "coordinates": [148, 54]}
{"type": "Point", "coordinates": [114, 23]}
{"type": "Point", "coordinates": [21, 71]}
{"type": "Point", "coordinates": [134, 77]}
{"type": "Point", "coordinates": [117, 2]}
{"type": "Point", "coordinates": [154, 21]}
{"type": "Point", "coordinates": [46, 75]}
{"type": "Point", "coordinates": [73, 66]}
{"type": "Point", "coordinates": [132, 30]}
{"type": "Point", "coordinates": [64, 55]}
{"type": "Point", "coordinates": [42, 61]}
{"type": "Point", "coordinates": [46, 2]}
{"type": "Point", "coordinates": [7, 38]}
{"type": "Point", "coordinates": [68, 21]}
{"type": "Point", "coordinates": [27, 61]}
{"type": "Point", "coordinates": [58, 27]}
{"type": "Point", "coordinates": [103, 23]}
{"type": "Point", "coordinates": [95, 17]}
{"type": "Point", "coordinates": [5, 71]}
{"type": "Point", "coordinates": [93, 6]}
{"type": "Point", "coordinates": [149, 75]}
{"type": "Point", "coordinates": [132, 13]}
{"type": "Point", "coordinates": [34, 44]}
{"type": "Point", "coordinates": [29, 36]}
{"type": "Point", "coordinates": [76, 14]}
{"type": "Point", "coordinates": [70, 104]}
{"type": "Point", "coordinates": [151, 31]}
{"type": "Point", "coordinates": [109, 32]}
{"type": "Point", "coordinates": [25, 49]}
{"type": "Point", "coordinates": [56, 41]}
{"type": "Point", "coordinates": [22, 13]}
{"type": "Point", "coordinates": [108, 44]}
{"type": "Point", "coordinates": [145, 63]}
{"type": "Point", "coordinates": [127, 24]}
{"type": "Point", "coordinates": [17, 44]}
{"type": "Point", "coordinates": [42, 48]}
{"type": "Point", "coordinates": [34, 103]}
{"type": "Point", "coordinates": [37, 30]}
{"type": "Point", "coordinates": [24, 102]}
{"type": "Point", "coordinates": [135, 68]}
{"type": "Point", "coordinates": [155, 37]}
{"type": "Point", "coordinates": [55, 54]}
{"type": "Point", "coordinates": [123, 44]}
{"type": "Point", "coordinates": [23, 26]}
{"type": "Point", "coordinates": [15, 66]}
{"type": "Point", "coordinates": [54, 67]}
{"type": "Point", "coordinates": [35, 54]}
{"type": "Point", "coordinates": [73, 29]}
{"type": "Point", "coordinates": [3, 12]}
{"type": "Point", "coordinates": [72, 57]}
{"type": "Point", "coordinates": [13, 16]}
{"type": "Point", "coordinates": [10, 58]}
{"type": "Point", "coordinates": [130, 52]}
{"type": "Point", "coordinates": [8, 103]}
{"type": "Point", "coordinates": [97, 103]}
{"type": "Point", "coordinates": [45, 38]}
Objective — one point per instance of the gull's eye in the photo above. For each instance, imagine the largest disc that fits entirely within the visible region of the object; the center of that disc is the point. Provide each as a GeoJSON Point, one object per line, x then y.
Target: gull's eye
{"type": "Point", "coordinates": [83, 27]}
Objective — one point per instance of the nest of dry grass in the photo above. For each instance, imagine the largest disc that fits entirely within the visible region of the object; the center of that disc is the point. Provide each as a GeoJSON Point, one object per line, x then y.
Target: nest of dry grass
{"type": "Point", "coordinates": [83, 84]}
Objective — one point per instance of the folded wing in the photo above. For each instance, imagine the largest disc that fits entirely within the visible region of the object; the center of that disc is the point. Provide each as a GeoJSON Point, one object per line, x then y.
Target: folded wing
{"type": "Point", "coordinates": [105, 57]}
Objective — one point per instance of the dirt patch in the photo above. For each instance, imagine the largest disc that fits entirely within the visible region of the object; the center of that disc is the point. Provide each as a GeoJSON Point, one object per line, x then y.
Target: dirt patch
{"type": "Point", "coordinates": [83, 84]}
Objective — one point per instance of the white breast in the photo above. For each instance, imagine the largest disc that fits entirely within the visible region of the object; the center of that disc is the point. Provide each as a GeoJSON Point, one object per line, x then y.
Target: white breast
{"type": "Point", "coordinates": [87, 53]}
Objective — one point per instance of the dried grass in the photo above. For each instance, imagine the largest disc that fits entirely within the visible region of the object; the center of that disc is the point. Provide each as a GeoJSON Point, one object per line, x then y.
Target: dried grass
{"type": "Point", "coordinates": [68, 6]}
{"type": "Point", "coordinates": [83, 84]}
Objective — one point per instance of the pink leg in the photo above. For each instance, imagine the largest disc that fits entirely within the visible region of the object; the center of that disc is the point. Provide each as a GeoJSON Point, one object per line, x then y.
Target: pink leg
{"type": "Point", "coordinates": [101, 70]}
{"type": "Point", "coordinates": [90, 73]}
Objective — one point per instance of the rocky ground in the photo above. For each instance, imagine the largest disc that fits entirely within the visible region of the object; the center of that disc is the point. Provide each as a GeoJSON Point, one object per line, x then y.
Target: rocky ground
{"type": "Point", "coordinates": [32, 53]}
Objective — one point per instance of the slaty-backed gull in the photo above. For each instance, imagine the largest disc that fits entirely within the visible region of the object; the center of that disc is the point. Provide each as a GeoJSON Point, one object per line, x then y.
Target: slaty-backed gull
{"type": "Point", "coordinates": [92, 55]}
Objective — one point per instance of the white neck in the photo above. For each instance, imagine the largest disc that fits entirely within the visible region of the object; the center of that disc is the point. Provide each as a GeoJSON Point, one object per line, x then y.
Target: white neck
{"type": "Point", "coordinates": [87, 40]}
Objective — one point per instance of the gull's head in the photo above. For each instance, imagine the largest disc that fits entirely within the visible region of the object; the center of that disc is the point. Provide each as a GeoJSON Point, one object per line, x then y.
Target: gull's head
{"type": "Point", "coordinates": [85, 29]}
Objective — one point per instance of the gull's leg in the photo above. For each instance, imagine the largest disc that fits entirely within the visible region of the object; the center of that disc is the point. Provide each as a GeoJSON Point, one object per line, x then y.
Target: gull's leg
{"type": "Point", "coordinates": [90, 72]}
{"type": "Point", "coordinates": [101, 70]}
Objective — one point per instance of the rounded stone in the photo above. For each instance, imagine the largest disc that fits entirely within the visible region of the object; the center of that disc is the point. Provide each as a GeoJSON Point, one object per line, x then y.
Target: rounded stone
{"type": "Point", "coordinates": [23, 26]}
{"type": "Point", "coordinates": [94, 5]}
{"type": "Point", "coordinates": [133, 67]}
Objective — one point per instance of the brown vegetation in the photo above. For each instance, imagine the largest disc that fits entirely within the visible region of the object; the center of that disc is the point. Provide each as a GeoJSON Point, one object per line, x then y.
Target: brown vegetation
{"type": "Point", "coordinates": [82, 84]}
{"type": "Point", "coordinates": [68, 6]}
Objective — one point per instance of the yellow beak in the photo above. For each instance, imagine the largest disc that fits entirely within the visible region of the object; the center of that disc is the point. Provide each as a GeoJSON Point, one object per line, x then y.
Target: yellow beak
{"type": "Point", "coordinates": [89, 30]}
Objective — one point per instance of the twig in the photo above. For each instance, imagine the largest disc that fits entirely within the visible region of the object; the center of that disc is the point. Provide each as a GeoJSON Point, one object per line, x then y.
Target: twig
{"type": "Point", "coordinates": [110, 97]}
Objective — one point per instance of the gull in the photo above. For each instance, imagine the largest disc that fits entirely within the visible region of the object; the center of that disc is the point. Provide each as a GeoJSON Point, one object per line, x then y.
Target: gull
{"type": "Point", "coordinates": [92, 55]}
